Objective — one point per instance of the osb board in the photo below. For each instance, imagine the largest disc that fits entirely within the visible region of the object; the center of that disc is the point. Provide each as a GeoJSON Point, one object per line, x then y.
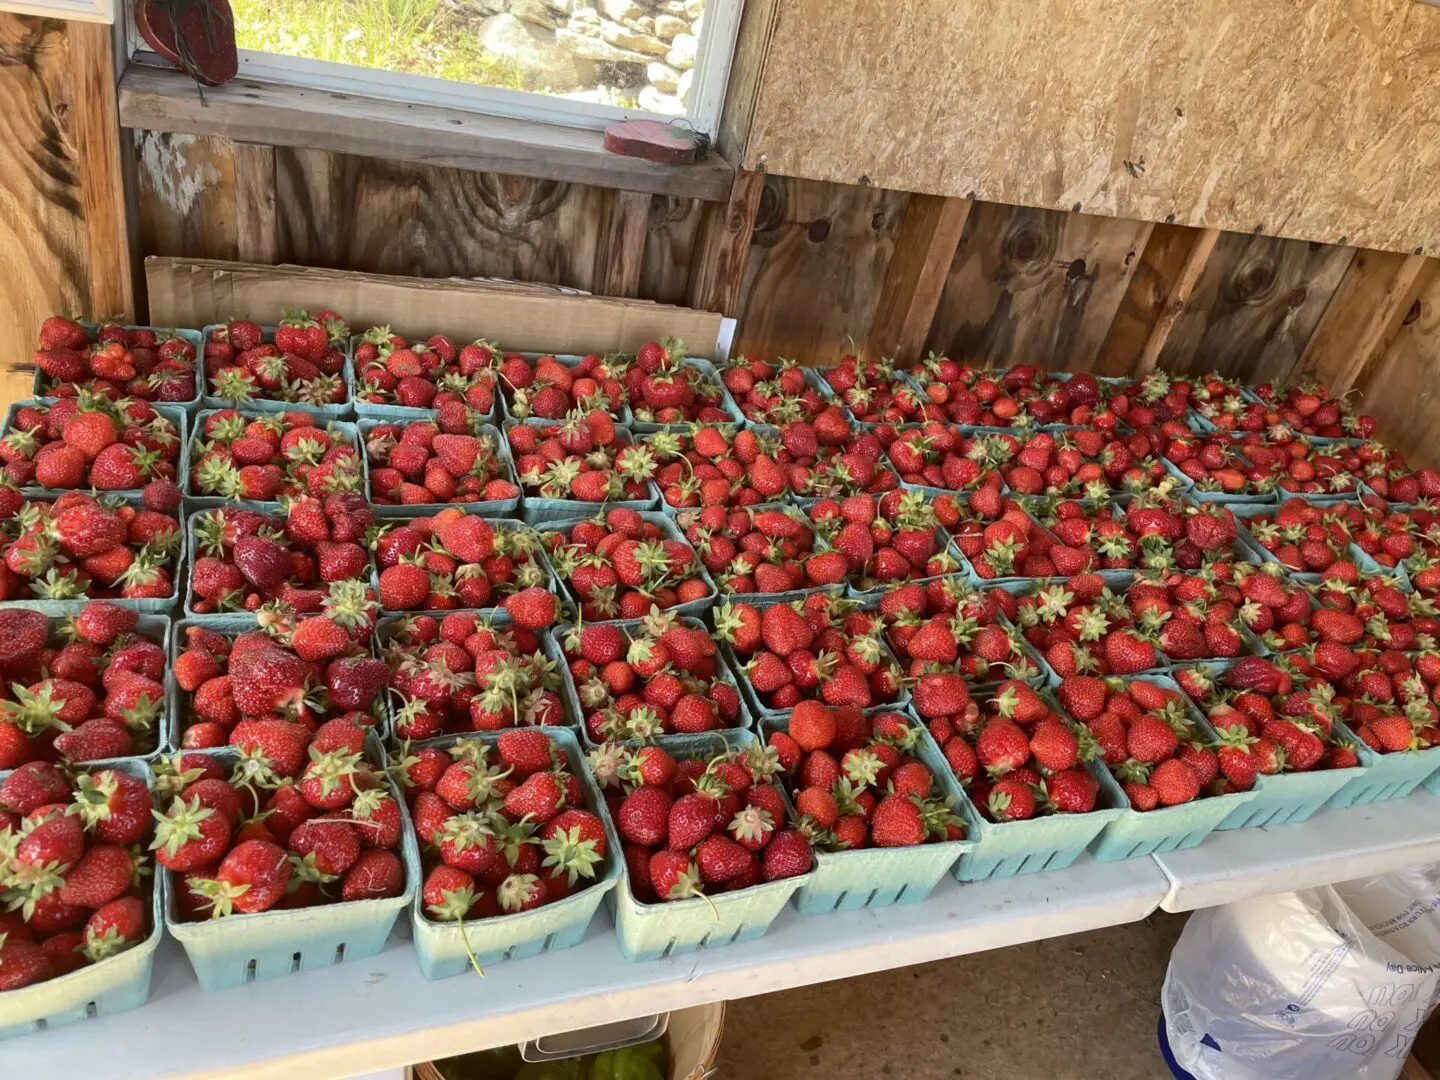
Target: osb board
{"type": "Point", "coordinates": [815, 269]}
{"type": "Point", "coordinates": [522, 317]}
{"type": "Point", "coordinates": [1403, 391]}
{"type": "Point", "coordinates": [1255, 306]}
{"type": "Point", "coordinates": [1303, 118]}
{"type": "Point", "coordinates": [42, 221]}
{"type": "Point", "coordinates": [1035, 286]}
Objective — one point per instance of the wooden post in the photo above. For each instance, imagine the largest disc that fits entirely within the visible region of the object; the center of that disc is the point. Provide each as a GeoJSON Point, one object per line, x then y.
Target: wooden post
{"type": "Point", "coordinates": [102, 186]}
{"type": "Point", "coordinates": [717, 266]}
{"type": "Point", "coordinates": [621, 251]}
{"type": "Point", "coordinates": [1175, 300]}
{"type": "Point", "coordinates": [915, 278]}
{"type": "Point", "coordinates": [257, 240]}
{"type": "Point", "coordinates": [1364, 316]}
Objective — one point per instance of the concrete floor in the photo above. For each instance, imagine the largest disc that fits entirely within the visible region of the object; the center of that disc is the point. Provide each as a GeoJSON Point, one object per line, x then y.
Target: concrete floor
{"type": "Point", "coordinates": [1075, 1008]}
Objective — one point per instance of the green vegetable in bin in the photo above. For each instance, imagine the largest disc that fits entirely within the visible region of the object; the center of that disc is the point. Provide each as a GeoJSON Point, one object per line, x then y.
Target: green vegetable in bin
{"type": "Point", "coordinates": [567, 1069]}
{"type": "Point", "coordinates": [631, 1063]}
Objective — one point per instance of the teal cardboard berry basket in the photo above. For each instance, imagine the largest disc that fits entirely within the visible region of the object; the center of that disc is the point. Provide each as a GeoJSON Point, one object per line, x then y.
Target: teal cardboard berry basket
{"type": "Point", "coordinates": [1285, 797]}
{"type": "Point", "coordinates": [571, 692]}
{"type": "Point", "coordinates": [441, 947]}
{"type": "Point", "coordinates": [177, 416]}
{"type": "Point", "coordinates": [158, 605]}
{"type": "Point", "coordinates": [497, 617]}
{"type": "Point", "coordinates": [114, 985]}
{"type": "Point", "coordinates": [484, 507]}
{"type": "Point", "coordinates": [42, 389]}
{"type": "Point", "coordinates": [694, 608]}
{"type": "Point", "coordinates": [196, 553]}
{"type": "Point", "coordinates": [1388, 776]}
{"type": "Point", "coordinates": [240, 949]}
{"type": "Point", "coordinates": [878, 877]}
{"type": "Point", "coordinates": [652, 931]}
{"type": "Point", "coordinates": [1133, 833]}
{"type": "Point", "coordinates": [538, 510]}
{"type": "Point", "coordinates": [498, 524]}
{"type": "Point", "coordinates": [1044, 842]}
{"type": "Point", "coordinates": [343, 410]}
{"type": "Point", "coordinates": [727, 404]}
{"type": "Point", "coordinates": [388, 413]}
{"type": "Point", "coordinates": [342, 432]}
{"type": "Point", "coordinates": [751, 697]}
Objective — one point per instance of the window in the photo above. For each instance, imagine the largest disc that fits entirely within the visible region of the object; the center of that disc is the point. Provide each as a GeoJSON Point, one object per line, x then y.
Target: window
{"type": "Point", "coordinates": [582, 63]}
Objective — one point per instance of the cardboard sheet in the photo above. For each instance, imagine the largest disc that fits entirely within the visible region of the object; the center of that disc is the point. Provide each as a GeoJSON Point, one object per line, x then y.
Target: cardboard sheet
{"type": "Point", "coordinates": [517, 315]}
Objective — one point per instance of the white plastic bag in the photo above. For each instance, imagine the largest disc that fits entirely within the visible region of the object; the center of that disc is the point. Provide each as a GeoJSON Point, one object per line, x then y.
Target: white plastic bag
{"type": "Point", "coordinates": [1401, 909]}
{"type": "Point", "coordinates": [1296, 987]}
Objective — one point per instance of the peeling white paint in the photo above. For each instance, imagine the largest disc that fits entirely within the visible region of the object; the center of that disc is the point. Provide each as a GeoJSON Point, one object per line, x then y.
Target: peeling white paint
{"type": "Point", "coordinates": [175, 182]}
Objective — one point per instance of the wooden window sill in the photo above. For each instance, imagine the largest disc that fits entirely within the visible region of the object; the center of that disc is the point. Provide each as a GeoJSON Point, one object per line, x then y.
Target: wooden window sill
{"type": "Point", "coordinates": [163, 99]}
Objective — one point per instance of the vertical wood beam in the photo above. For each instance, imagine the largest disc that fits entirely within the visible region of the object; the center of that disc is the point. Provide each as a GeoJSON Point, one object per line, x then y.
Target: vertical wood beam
{"type": "Point", "coordinates": [1364, 316]}
{"type": "Point", "coordinates": [915, 279]}
{"type": "Point", "coordinates": [97, 151]}
{"type": "Point", "coordinates": [621, 251]}
{"type": "Point", "coordinates": [257, 234]}
{"type": "Point", "coordinates": [717, 267]}
{"type": "Point", "coordinates": [1176, 299]}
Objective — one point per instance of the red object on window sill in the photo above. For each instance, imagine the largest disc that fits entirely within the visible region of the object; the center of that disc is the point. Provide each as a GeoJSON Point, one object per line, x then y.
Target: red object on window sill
{"type": "Point", "coordinates": [653, 140]}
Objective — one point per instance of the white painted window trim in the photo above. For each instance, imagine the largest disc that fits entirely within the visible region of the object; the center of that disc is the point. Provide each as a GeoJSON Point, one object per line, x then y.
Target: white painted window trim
{"type": "Point", "coordinates": [712, 71]}
{"type": "Point", "coordinates": [100, 11]}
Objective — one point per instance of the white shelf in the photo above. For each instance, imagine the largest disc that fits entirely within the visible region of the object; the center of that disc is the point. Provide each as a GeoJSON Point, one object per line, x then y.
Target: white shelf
{"type": "Point", "coordinates": [362, 1017]}
{"type": "Point", "coordinates": [1334, 845]}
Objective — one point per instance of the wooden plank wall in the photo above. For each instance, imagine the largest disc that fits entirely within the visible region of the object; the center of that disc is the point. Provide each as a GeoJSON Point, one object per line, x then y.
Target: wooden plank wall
{"type": "Point", "coordinates": [62, 206]}
{"type": "Point", "coordinates": [813, 269]}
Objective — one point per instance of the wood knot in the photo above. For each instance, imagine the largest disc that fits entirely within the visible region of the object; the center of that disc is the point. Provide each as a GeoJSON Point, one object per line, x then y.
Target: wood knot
{"type": "Point", "coordinates": [1025, 245]}
{"type": "Point", "coordinates": [819, 229]}
{"type": "Point", "coordinates": [1253, 280]}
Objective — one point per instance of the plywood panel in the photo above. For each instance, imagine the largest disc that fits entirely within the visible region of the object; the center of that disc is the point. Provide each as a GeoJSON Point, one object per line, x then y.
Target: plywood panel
{"type": "Point", "coordinates": [42, 223]}
{"type": "Point", "coordinates": [393, 217]}
{"type": "Point", "coordinates": [1403, 393]}
{"type": "Point", "coordinates": [816, 267]}
{"type": "Point", "coordinates": [1303, 118]}
{"type": "Point", "coordinates": [187, 195]}
{"type": "Point", "coordinates": [1255, 307]}
{"type": "Point", "coordinates": [1035, 286]}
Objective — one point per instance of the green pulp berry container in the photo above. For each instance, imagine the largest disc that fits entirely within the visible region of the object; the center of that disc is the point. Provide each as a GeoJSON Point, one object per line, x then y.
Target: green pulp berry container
{"type": "Point", "coordinates": [1166, 828]}
{"type": "Point", "coordinates": [1388, 776]}
{"type": "Point", "coordinates": [879, 877]}
{"type": "Point", "coordinates": [240, 949]}
{"type": "Point", "coordinates": [112, 986]}
{"type": "Point", "coordinates": [652, 931]}
{"type": "Point", "coordinates": [440, 947]}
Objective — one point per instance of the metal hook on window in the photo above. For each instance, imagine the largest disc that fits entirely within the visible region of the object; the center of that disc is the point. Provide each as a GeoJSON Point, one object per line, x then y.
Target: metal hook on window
{"type": "Point", "coordinates": [701, 139]}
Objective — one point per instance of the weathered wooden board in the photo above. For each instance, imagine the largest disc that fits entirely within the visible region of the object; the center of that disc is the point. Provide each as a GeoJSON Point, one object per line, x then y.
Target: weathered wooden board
{"type": "Point", "coordinates": [1254, 307]}
{"type": "Point", "coordinates": [816, 267]}
{"type": "Point", "coordinates": [187, 195]}
{"type": "Point", "coordinates": [1302, 118]}
{"type": "Point", "coordinates": [1403, 393]}
{"type": "Point", "coordinates": [1364, 315]}
{"type": "Point", "coordinates": [42, 217]}
{"type": "Point", "coordinates": [393, 217]}
{"type": "Point", "coordinates": [1035, 286]}
{"type": "Point", "coordinates": [1157, 271]}
{"type": "Point", "coordinates": [670, 241]}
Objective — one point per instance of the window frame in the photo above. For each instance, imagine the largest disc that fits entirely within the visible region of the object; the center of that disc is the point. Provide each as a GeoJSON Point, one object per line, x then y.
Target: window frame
{"type": "Point", "coordinates": [713, 57]}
